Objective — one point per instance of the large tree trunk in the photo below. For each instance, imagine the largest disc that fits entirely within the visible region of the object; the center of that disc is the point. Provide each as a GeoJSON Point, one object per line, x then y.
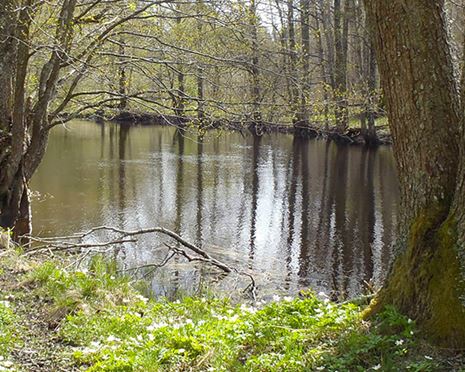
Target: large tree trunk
{"type": "Point", "coordinates": [427, 278]}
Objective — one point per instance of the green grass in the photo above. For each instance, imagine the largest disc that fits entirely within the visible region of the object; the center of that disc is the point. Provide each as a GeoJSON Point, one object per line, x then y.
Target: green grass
{"type": "Point", "coordinates": [7, 332]}
{"type": "Point", "coordinates": [113, 328]}
{"type": "Point", "coordinates": [105, 324]}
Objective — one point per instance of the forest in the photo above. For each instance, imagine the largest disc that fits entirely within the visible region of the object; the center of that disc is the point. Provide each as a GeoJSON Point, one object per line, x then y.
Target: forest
{"type": "Point", "coordinates": [244, 185]}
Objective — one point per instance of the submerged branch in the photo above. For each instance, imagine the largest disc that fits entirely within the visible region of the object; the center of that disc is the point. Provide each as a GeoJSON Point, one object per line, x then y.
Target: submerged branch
{"type": "Point", "coordinates": [75, 242]}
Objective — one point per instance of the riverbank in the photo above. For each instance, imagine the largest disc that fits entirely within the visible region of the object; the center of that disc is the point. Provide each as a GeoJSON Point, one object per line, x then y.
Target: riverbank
{"type": "Point", "coordinates": [353, 136]}
{"type": "Point", "coordinates": [53, 317]}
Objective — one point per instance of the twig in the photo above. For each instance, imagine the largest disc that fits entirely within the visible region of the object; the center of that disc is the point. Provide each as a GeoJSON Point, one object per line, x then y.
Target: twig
{"type": "Point", "coordinates": [167, 258]}
{"type": "Point", "coordinates": [74, 242]}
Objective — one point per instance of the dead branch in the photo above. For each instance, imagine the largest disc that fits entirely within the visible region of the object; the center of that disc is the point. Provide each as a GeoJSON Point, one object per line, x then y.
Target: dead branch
{"type": "Point", "coordinates": [75, 243]}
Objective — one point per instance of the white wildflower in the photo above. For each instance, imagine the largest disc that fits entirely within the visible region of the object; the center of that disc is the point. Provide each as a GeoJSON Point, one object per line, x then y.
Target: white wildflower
{"type": "Point", "coordinates": [399, 342]}
{"type": "Point", "coordinates": [428, 357]}
{"type": "Point", "coordinates": [287, 298]}
{"type": "Point", "coordinates": [88, 350]}
{"type": "Point", "coordinates": [112, 338]}
{"type": "Point", "coordinates": [142, 298]}
{"type": "Point", "coordinates": [376, 367]}
{"type": "Point", "coordinates": [154, 326]}
{"type": "Point", "coordinates": [276, 298]}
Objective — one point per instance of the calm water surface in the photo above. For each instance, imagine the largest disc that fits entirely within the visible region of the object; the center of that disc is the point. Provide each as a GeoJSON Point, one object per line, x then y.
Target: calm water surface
{"type": "Point", "coordinates": [297, 213]}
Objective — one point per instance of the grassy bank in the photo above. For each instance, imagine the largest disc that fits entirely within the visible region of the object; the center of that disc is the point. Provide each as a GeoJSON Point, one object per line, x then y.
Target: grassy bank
{"type": "Point", "coordinates": [52, 319]}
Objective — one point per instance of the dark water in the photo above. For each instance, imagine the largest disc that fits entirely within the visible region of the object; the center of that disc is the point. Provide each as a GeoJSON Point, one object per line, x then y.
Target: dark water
{"type": "Point", "coordinates": [298, 213]}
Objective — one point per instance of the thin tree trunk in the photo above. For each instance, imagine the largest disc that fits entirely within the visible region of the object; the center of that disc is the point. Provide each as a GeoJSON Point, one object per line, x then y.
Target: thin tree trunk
{"type": "Point", "coordinates": [181, 91]}
{"type": "Point", "coordinates": [305, 40]}
{"type": "Point", "coordinates": [200, 70]}
{"type": "Point", "coordinates": [329, 37]}
{"type": "Point", "coordinates": [323, 67]}
{"type": "Point", "coordinates": [294, 94]}
{"type": "Point", "coordinates": [370, 134]}
{"type": "Point", "coordinates": [123, 81]}
{"type": "Point", "coordinates": [7, 55]}
{"type": "Point", "coordinates": [341, 29]}
{"type": "Point", "coordinates": [254, 69]}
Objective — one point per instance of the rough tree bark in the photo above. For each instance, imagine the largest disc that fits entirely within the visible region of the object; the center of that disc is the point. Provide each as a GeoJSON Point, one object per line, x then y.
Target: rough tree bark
{"type": "Point", "coordinates": [427, 278]}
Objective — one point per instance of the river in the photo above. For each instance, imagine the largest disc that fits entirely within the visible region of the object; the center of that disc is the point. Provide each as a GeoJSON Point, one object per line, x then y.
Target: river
{"type": "Point", "coordinates": [298, 214]}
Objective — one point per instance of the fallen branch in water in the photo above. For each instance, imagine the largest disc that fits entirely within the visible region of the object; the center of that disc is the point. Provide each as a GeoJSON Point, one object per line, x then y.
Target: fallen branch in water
{"type": "Point", "coordinates": [66, 242]}
{"type": "Point", "coordinates": [75, 243]}
{"type": "Point", "coordinates": [251, 287]}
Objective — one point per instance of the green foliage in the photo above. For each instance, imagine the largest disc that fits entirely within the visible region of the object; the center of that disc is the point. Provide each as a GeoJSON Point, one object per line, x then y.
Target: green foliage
{"type": "Point", "coordinates": [108, 326]}
{"type": "Point", "coordinates": [7, 334]}
{"type": "Point", "coordinates": [6, 327]}
{"type": "Point", "coordinates": [72, 289]}
{"type": "Point", "coordinates": [113, 328]}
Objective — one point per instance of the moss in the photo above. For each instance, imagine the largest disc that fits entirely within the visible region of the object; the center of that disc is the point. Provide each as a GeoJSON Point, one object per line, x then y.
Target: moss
{"type": "Point", "coordinates": [447, 323]}
{"type": "Point", "coordinates": [425, 283]}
